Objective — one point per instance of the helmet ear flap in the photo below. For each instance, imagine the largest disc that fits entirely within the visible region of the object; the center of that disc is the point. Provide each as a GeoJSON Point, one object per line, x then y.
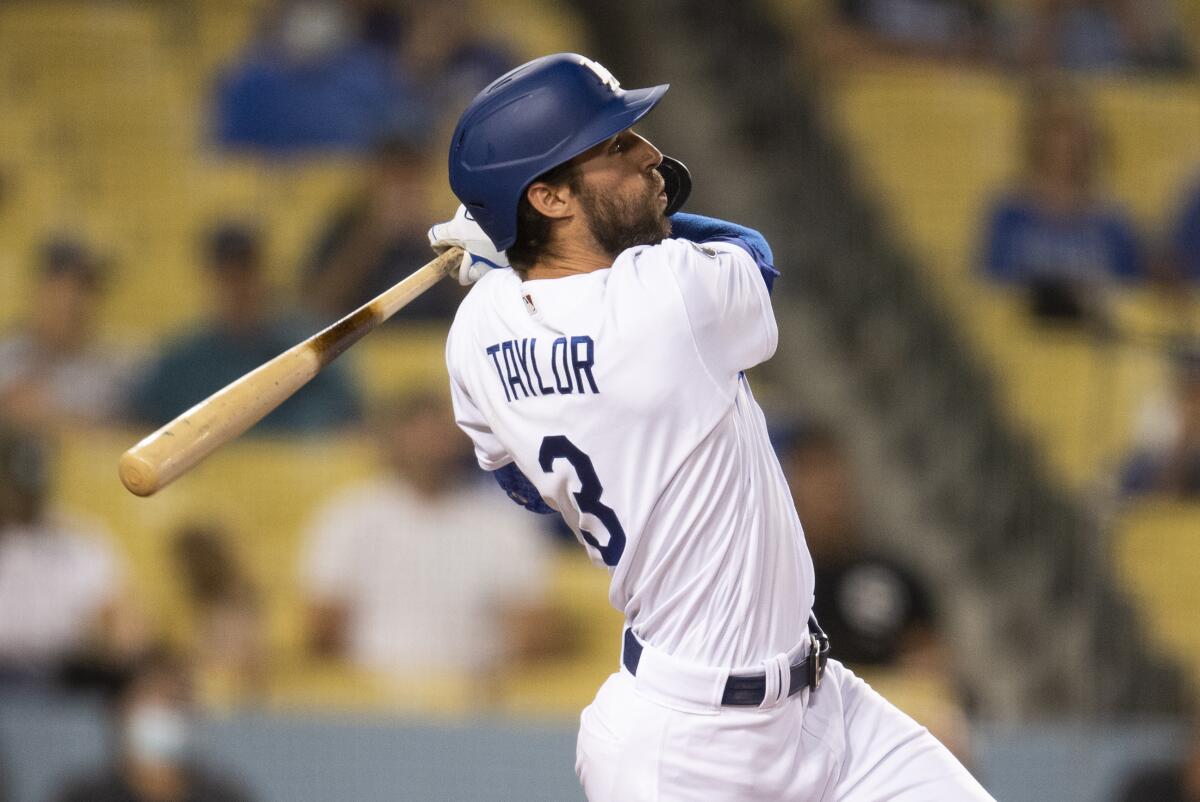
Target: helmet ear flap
{"type": "Point", "coordinates": [678, 183]}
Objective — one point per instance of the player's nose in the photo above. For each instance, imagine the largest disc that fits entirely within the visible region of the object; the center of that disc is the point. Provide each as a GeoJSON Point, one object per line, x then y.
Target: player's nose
{"type": "Point", "coordinates": [653, 156]}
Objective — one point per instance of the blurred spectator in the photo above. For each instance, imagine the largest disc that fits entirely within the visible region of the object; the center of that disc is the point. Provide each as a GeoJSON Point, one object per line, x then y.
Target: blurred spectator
{"type": "Point", "coordinates": [378, 238]}
{"type": "Point", "coordinates": [419, 569]}
{"type": "Point", "coordinates": [63, 611]}
{"type": "Point", "coordinates": [152, 724]}
{"type": "Point", "coordinates": [228, 628]}
{"type": "Point", "coordinates": [1184, 239]}
{"type": "Point", "coordinates": [942, 29]}
{"type": "Point", "coordinates": [448, 55]}
{"type": "Point", "coordinates": [1107, 35]}
{"type": "Point", "coordinates": [52, 367]}
{"type": "Point", "coordinates": [879, 616]}
{"type": "Point", "coordinates": [239, 334]}
{"type": "Point", "coordinates": [874, 610]}
{"type": "Point", "coordinates": [1179, 782]}
{"type": "Point", "coordinates": [1166, 454]}
{"type": "Point", "coordinates": [1052, 234]}
{"type": "Point", "coordinates": [312, 81]}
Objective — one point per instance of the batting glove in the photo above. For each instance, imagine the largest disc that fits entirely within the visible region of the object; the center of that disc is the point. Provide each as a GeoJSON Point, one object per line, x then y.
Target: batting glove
{"type": "Point", "coordinates": [479, 256]}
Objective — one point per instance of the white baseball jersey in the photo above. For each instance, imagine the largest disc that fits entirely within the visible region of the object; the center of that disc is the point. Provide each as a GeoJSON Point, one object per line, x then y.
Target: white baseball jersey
{"type": "Point", "coordinates": [620, 394]}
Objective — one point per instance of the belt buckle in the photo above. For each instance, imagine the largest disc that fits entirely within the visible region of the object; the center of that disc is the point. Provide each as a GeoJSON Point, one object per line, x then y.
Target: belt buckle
{"type": "Point", "coordinates": [816, 659]}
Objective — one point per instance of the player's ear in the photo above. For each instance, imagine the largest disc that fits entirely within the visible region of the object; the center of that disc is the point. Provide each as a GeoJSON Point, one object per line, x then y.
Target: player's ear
{"type": "Point", "coordinates": [555, 201]}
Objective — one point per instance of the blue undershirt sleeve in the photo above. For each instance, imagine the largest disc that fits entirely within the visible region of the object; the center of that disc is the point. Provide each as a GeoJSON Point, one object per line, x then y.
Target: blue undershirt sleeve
{"type": "Point", "coordinates": [520, 489]}
{"type": "Point", "coordinates": [697, 228]}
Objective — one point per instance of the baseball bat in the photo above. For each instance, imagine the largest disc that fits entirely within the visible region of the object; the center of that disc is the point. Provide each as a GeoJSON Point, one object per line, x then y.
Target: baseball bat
{"type": "Point", "coordinates": [164, 456]}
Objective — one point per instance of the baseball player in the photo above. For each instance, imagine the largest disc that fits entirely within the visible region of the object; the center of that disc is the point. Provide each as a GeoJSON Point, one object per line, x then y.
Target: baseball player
{"type": "Point", "coordinates": [601, 376]}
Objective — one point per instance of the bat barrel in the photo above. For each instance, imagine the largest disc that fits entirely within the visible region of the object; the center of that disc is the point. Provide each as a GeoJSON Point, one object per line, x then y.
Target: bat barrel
{"type": "Point", "coordinates": [163, 456]}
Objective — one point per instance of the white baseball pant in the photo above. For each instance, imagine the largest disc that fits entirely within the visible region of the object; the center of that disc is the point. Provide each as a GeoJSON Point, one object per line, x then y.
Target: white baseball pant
{"type": "Point", "coordinates": [663, 736]}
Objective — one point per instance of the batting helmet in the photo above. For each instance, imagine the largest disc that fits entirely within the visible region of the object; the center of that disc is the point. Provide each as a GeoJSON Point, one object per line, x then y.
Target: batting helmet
{"type": "Point", "coordinates": [529, 120]}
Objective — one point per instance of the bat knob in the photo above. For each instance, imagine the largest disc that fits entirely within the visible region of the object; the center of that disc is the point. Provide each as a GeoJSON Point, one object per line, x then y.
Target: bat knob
{"type": "Point", "coordinates": [137, 474]}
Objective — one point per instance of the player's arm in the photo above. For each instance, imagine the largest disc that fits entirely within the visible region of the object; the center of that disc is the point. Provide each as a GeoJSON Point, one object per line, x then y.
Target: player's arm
{"type": "Point", "coordinates": [489, 451]}
{"type": "Point", "coordinates": [697, 228]}
{"type": "Point", "coordinates": [723, 273]}
{"type": "Point", "coordinates": [522, 491]}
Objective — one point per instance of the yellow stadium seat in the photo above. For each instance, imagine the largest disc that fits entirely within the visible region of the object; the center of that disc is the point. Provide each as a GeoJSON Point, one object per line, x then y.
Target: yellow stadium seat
{"type": "Point", "coordinates": [1157, 554]}
{"type": "Point", "coordinates": [937, 144]}
{"type": "Point", "coordinates": [398, 359]}
{"type": "Point", "coordinates": [103, 134]}
{"type": "Point", "coordinates": [580, 592]}
{"type": "Point", "coordinates": [262, 489]}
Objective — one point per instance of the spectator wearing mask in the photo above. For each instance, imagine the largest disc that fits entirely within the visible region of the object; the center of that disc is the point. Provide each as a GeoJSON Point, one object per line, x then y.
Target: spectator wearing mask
{"type": "Point", "coordinates": [53, 368]}
{"type": "Point", "coordinates": [240, 333]}
{"type": "Point", "coordinates": [1053, 235]}
{"type": "Point", "coordinates": [153, 733]}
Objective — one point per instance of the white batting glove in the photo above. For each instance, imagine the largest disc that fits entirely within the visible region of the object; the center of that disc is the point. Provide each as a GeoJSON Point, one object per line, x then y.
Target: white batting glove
{"type": "Point", "coordinates": [480, 254]}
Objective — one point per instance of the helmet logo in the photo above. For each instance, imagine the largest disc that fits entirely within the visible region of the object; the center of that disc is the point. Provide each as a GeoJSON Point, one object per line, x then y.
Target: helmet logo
{"type": "Point", "coordinates": [602, 73]}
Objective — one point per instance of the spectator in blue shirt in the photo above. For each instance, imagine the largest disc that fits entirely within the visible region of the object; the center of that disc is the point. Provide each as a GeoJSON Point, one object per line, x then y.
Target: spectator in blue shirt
{"type": "Point", "coordinates": [449, 54]}
{"type": "Point", "coordinates": [1107, 35]}
{"type": "Point", "coordinates": [312, 83]}
{"type": "Point", "coordinates": [1184, 242]}
{"type": "Point", "coordinates": [1052, 234]}
{"type": "Point", "coordinates": [239, 335]}
{"type": "Point", "coordinates": [931, 29]}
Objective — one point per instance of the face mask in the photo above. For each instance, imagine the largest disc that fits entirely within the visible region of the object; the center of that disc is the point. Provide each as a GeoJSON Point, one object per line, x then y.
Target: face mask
{"type": "Point", "coordinates": [157, 734]}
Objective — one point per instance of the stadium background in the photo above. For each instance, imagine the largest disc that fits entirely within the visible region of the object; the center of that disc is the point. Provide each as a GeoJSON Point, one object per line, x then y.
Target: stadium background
{"type": "Point", "coordinates": [987, 445]}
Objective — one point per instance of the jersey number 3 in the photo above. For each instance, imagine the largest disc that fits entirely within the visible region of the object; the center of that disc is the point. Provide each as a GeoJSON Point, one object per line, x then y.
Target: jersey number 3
{"type": "Point", "coordinates": [588, 498]}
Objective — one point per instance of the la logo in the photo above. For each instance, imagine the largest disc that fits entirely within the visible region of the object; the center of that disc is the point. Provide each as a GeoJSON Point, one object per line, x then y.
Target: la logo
{"type": "Point", "coordinates": [602, 73]}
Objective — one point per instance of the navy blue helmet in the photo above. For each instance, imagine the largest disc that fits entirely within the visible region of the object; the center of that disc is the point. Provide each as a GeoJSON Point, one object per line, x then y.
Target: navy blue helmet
{"type": "Point", "coordinates": [532, 119]}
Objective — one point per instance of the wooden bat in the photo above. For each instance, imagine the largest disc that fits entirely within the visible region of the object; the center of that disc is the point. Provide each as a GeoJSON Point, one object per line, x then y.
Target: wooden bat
{"type": "Point", "coordinates": [168, 453]}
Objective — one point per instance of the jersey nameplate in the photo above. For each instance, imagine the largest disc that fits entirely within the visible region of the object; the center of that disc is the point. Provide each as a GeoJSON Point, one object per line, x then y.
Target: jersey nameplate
{"type": "Point", "coordinates": [563, 366]}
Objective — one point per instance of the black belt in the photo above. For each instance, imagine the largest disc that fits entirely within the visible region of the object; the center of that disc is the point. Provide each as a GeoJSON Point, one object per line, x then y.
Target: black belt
{"type": "Point", "coordinates": [748, 691]}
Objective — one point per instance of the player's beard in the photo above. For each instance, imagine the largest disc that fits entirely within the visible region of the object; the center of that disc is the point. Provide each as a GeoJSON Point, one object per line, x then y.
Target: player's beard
{"type": "Point", "coordinates": [618, 224]}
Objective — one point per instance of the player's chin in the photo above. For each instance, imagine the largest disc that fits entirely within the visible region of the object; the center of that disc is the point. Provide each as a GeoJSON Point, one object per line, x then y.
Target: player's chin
{"type": "Point", "coordinates": [664, 226]}
{"type": "Point", "coordinates": [652, 230]}
{"type": "Point", "coordinates": [655, 226]}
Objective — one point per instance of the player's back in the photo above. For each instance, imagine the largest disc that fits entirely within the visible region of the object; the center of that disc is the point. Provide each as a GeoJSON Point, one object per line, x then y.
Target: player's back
{"type": "Point", "coordinates": [620, 395]}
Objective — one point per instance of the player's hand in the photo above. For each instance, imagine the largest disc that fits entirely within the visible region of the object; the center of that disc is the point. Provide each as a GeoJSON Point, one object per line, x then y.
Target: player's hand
{"type": "Point", "coordinates": [462, 230]}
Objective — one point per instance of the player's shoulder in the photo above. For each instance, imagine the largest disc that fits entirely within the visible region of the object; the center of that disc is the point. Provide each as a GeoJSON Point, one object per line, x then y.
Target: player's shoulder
{"type": "Point", "coordinates": [483, 293]}
{"type": "Point", "coordinates": [676, 266]}
{"type": "Point", "coordinates": [484, 298]}
{"type": "Point", "coordinates": [679, 256]}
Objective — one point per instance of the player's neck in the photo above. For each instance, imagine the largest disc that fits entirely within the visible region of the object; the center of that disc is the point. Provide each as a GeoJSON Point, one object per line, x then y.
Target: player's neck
{"type": "Point", "coordinates": [572, 257]}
